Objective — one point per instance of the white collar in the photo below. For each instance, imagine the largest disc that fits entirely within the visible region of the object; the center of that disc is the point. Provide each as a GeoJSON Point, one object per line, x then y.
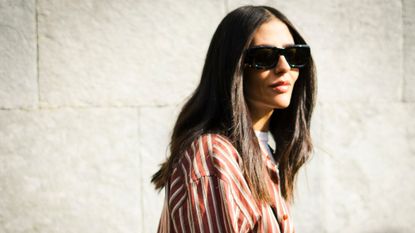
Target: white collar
{"type": "Point", "coordinates": [262, 136]}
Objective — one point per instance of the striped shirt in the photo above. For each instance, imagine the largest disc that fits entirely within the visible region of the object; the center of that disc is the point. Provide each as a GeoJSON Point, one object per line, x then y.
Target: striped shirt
{"type": "Point", "coordinates": [207, 192]}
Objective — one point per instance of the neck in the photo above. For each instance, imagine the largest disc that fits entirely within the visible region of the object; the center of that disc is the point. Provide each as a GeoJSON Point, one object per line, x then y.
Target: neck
{"type": "Point", "coordinates": [261, 118]}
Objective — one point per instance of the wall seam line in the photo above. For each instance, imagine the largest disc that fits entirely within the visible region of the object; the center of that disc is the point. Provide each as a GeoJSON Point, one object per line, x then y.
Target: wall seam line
{"type": "Point", "coordinates": [403, 54]}
{"type": "Point", "coordinates": [37, 53]}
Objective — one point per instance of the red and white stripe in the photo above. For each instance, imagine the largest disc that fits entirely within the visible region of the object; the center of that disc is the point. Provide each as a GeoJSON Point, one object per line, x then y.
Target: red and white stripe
{"type": "Point", "coordinates": [208, 193]}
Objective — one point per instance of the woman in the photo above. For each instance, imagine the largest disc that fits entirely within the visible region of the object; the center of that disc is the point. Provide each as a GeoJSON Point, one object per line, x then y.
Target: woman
{"type": "Point", "coordinates": [222, 176]}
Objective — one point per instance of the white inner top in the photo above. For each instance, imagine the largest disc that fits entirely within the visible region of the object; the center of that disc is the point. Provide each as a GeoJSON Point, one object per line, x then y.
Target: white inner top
{"type": "Point", "coordinates": [263, 142]}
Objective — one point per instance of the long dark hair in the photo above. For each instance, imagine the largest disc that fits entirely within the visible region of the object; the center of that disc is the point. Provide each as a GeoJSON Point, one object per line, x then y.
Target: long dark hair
{"type": "Point", "coordinates": [218, 106]}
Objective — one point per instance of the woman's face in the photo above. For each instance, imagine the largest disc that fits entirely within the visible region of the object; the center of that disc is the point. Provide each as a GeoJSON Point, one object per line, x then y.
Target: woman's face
{"type": "Point", "coordinates": [260, 93]}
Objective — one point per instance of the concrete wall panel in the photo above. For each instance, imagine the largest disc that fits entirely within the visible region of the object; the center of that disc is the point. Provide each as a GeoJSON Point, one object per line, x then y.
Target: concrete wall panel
{"type": "Point", "coordinates": [69, 170]}
{"type": "Point", "coordinates": [369, 167]}
{"type": "Point", "coordinates": [18, 56]}
{"type": "Point", "coordinates": [122, 52]}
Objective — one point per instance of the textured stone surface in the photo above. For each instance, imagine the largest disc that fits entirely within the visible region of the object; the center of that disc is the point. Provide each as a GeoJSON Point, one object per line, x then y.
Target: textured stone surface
{"type": "Point", "coordinates": [370, 167]}
{"type": "Point", "coordinates": [409, 50]}
{"type": "Point", "coordinates": [357, 45]}
{"type": "Point", "coordinates": [156, 125]}
{"type": "Point", "coordinates": [18, 75]}
{"type": "Point", "coordinates": [69, 170]}
{"type": "Point", "coordinates": [122, 52]}
{"type": "Point", "coordinates": [88, 169]}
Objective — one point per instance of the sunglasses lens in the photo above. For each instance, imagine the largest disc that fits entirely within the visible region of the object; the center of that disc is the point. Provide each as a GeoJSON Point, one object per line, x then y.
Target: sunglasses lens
{"type": "Point", "coordinates": [264, 57]}
{"type": "Point", "coordinates": [267, 57]}
{"type": "Point", "coordinates": [297, 56]}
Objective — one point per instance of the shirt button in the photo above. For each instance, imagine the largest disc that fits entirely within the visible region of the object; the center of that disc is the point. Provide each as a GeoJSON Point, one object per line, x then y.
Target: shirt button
{"type": "Point", "coordinates": [285, 217]}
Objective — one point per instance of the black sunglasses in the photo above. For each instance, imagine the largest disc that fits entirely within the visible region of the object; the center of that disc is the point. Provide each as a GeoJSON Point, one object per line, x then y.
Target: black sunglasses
{"type": "Point", "coordinates": [266, 57]}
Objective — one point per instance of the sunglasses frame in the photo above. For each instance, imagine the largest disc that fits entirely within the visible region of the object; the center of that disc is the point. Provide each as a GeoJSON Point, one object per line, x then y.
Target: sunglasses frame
{"type": "Point", "coordinates": [281, 51]}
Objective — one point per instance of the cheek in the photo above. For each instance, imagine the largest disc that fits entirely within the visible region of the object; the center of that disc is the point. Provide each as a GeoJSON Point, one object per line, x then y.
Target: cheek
{"type": "Point", "coordinates": [294, 75]}
{"type": "Point", "coordinates": [254, 83]}
{"type": "Point", "coordinates": [250, 81]}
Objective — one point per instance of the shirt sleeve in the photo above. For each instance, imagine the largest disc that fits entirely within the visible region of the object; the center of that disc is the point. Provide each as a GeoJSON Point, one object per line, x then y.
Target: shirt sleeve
{"type": "Point", "coordinates": [212, 207]}
{"type": "Point", "coordinates": [215, 195]}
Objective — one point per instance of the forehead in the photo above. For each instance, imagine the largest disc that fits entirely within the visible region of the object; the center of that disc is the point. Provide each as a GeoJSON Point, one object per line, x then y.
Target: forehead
{"type": "Point", "coordinates": [273, 32]}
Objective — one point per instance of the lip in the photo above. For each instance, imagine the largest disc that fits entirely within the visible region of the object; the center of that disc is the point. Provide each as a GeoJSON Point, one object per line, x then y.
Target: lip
{"type": "Point", "coordinates": [281, 86]}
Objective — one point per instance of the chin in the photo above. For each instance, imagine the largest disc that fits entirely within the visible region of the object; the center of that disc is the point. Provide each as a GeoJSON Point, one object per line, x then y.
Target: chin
{"type": "Point", "coordinates": [281, 104]}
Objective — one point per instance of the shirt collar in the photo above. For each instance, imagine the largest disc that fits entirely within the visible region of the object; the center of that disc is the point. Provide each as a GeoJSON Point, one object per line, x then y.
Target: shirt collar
{"type": "Point", "coordinates": [269, 162]}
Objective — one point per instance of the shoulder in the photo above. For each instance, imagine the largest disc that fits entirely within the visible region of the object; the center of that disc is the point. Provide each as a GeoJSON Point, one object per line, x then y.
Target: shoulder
{"type": "Point", "coordinates": [210, 155]}
{"type": "Point", "coordinates": [212, 163]}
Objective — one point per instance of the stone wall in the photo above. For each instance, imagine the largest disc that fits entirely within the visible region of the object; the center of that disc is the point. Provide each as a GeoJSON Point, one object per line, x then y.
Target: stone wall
{"type": "Point", "coordinates": [90, 90]}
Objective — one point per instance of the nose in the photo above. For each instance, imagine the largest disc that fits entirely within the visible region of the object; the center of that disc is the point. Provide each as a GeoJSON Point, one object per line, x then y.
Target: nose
{"type": "Point", "coordinates": [282, 65]}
